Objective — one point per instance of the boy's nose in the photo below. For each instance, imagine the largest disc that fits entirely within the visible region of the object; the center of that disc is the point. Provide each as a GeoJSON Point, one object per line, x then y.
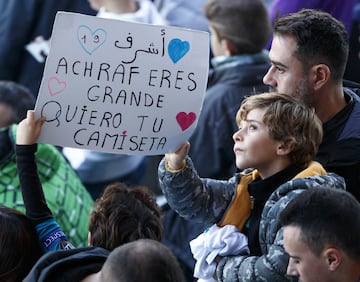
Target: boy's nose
{"type": "Point", "coordinates": [237, 135]}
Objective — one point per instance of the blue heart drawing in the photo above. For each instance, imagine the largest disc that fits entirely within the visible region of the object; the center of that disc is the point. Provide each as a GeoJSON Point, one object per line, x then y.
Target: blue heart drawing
{"type": "Point", "coordinates": [177, 49]}
{"type": "Point", "coordinates": [90, 40]}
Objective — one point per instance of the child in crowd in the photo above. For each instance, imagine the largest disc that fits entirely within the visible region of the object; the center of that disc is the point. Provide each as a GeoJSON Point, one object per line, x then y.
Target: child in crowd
{"type": "Point", "coordinates": [277, 139]}
{"type": "Point", "coordinates": [119, 206]}
{"type": "Point", "coordinates": [71, 207]}
{"type": "Point", "coordinates": [121, 215]}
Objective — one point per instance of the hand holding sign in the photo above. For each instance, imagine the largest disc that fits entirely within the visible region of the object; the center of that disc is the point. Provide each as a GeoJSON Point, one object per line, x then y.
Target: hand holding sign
{"type": "Point", "coordinates": [121, 87]}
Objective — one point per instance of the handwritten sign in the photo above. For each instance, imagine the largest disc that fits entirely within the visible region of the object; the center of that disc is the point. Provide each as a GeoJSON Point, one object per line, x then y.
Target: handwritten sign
{"type": "Point", "coordinates": [121, 87]}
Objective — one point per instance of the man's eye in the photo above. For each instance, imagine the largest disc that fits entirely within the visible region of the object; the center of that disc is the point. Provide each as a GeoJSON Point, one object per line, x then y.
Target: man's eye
{"type": "Point", "coordinates": [280, 70]}
{"type": "Point", "coordinates": [296, 261]}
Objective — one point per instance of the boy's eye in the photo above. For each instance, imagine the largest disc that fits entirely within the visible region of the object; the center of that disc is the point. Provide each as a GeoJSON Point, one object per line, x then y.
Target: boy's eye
{"type": "Point", "coordinates": [252, 127]}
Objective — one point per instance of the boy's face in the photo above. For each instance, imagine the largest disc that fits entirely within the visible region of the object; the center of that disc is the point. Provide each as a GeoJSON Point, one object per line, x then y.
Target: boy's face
{"type": "Point", "coordinates": [303, 263]}
{"type": "Point", "coordinates": [254, 148]}
{"type": "Point", "coordinates": [286, 74]}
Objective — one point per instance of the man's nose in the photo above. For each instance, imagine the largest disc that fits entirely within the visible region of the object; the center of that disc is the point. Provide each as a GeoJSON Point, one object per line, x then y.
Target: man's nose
{"type": "Point", "coordinates": [268, 78]}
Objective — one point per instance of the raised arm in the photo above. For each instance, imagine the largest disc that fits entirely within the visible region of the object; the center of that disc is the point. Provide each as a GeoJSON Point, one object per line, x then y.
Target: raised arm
{"type": "Point", "coordinates": [176, 161]}
{"type": "Point", "coordinates": [29, 129]}
{"type": "Point", "coordinates": [50, 233]}
{"type": "Point", "coordinates": [200, 199]}
{"type": "Point", "coordinates": [27, 134]}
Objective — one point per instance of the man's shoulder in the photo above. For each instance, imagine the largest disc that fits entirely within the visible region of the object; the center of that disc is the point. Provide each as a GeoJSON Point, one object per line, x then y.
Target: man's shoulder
{"type": "Point", "coordinates": [352, 86]}
{"type": "Point", "coordinates": [352, 89]}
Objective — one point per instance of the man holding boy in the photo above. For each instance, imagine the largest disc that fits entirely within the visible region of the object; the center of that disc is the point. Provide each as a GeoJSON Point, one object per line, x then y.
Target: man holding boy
{"type": "Point", "coordinates": [277, 138]}
{"type": "Point", "coordinates": [309, 54]}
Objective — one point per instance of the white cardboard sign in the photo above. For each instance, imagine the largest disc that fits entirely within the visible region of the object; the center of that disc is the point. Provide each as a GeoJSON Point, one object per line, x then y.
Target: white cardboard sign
{"type": "Point", "coordinates": [121, 87]}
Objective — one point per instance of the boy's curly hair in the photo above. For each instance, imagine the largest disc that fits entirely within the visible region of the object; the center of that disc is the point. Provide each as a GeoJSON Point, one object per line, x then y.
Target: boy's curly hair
{"type": "Point", "coordinates": [124, 214]}
{"type": "Point", "coordinates": [288, 120]}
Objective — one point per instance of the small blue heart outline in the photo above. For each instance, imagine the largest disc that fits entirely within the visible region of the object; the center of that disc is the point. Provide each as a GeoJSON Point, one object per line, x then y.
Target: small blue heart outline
{"type": "Point", "coordinates": [177, 49]}
{"type": "Point", "coordinates": [83, 46]}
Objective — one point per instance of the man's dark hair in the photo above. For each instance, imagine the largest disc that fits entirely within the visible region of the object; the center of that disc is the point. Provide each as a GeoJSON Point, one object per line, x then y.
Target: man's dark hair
{"type": "Point", "coordinates": [143, 260]}
{"type": "Point", "coordinates": [325, 216]}
{"type": "Point", "coordinates": [321, 39]}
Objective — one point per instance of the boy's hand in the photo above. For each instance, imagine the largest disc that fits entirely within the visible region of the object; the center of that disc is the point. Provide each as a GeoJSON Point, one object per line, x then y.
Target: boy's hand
{"type": "Point", "coordinates": [175, 160]}
{"type": "Point", "coordinates": [29, 129]}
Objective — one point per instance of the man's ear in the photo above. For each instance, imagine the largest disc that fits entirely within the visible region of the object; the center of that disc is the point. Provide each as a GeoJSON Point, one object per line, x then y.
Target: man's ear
{"type": "Point", "coordinates": [333, 258]}
{"type": "Point", "coordinates": [286, 146]}
{"type": "Point", "coordinates": [319, 75]}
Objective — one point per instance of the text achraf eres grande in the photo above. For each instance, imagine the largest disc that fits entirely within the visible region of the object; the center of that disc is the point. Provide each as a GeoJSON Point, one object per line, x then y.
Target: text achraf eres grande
{"type": "Point", "coordinates": [116, 84]}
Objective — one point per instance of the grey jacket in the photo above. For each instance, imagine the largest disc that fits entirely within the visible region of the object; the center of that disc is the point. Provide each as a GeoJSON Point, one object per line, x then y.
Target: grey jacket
{"type": "Point", "coordinates": [206, 200]}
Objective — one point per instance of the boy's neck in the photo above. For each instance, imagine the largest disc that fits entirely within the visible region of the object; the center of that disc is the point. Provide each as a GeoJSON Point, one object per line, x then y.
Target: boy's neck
{"type": "Point", "coordinates": [273, 168]}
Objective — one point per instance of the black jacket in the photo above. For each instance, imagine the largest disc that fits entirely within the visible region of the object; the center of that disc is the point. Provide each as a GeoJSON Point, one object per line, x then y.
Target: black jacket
{"type": "Point", "coordinates": [339, 151]}
{"type": "Point", "coordinates": [68, 265]}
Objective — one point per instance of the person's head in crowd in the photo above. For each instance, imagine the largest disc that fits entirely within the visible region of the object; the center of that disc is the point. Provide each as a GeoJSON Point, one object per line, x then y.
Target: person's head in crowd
{"type": "Point", "coordinates": [143, 260]}
{"type": "Point", "coordinates": [15, 100]}
{"type": "Point", "coordinates": [237, 26]}
{"type": "Point", "coordinates": [124, 214]}
{"type": "Point", "coordinates": [96, 4]}
{"type": "Point", "coordinates": [321, 236]}
{"type": "Point", "coordinates": [309, 54]}
{"type": "Point", "coordinates": [19, 245]}
{"type": "Point", "coordinates": [277, 123]}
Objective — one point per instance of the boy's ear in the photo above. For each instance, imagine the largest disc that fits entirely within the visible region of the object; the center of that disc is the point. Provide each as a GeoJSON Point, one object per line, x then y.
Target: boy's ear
{"type": "Point", "coordinates": [286, 146]}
